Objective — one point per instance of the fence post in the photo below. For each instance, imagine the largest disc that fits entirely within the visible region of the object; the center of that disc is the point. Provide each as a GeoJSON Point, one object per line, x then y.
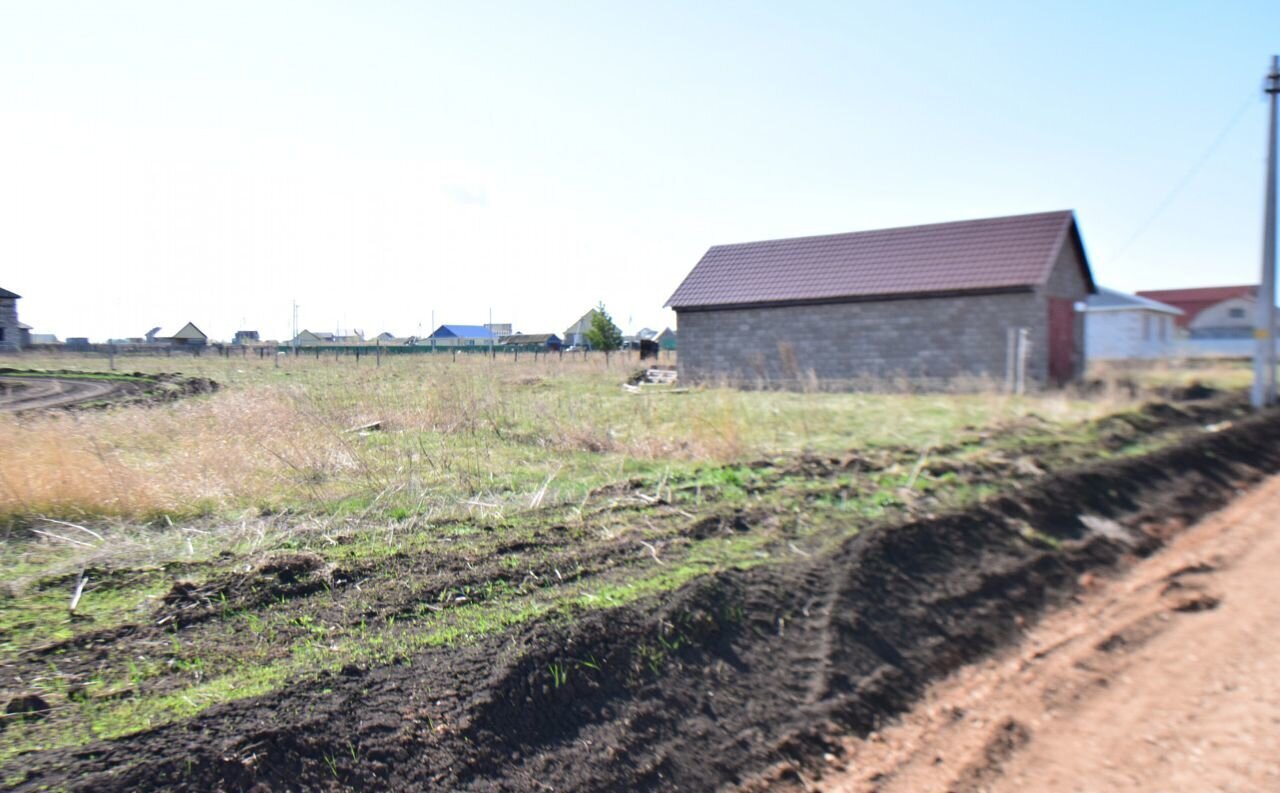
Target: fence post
{"type": "Point", "coordinates": [1024, 351]}
{"type": "Point", "coordinates": [1010, 358]}
{"type": "Point", "coordinates": [378, 352]}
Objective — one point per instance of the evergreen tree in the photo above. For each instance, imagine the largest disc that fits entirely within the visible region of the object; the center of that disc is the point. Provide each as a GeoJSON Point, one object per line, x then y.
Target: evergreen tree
{"type": "Point", "coordinates": [603, 335]}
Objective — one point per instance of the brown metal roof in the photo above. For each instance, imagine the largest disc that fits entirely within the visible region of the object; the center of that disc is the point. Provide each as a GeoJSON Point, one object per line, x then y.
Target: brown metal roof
{"type": "Point", "coordinates": [967, 255]}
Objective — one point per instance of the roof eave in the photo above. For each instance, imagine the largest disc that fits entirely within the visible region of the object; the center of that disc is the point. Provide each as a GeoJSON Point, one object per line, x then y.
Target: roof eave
{"type": "Point", "coordinates": [1175, 312]}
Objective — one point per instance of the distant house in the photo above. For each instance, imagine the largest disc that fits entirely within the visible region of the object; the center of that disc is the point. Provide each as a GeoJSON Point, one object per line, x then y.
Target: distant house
{"type": "Point", "coordinates": [245, 337]}
{"type": "Point", "coordinates": [1118, 326]}
{"type": "Point", "coordinates": [666, 339]}
{"type": "Point", "coordinates": [499, 329]}
{"type": "Point", "coordinates": [463, 336]}
{"type": "Point", "coordinates": [150, 337]}
{"type": "Point", "coordinates": [1213, 312]}
{"type": "Point", "coordinates": [635, 340]}
{"type": "Point", "coordinates": [24, 336]}
{"type": "Point", "coordinates": [384, 336]}
{"type": "Point", "coordinates": [10, 330]}
{"type": "Point", "coordinates": [307, 338]}
{"type": "Point", "coordinates": [188, 336]}
{"type": "Point", "coordinates": [545, 341]}
{"type": "Point", "coordinates": [933, 302]}
{"type": "Point", "coordinates": [44, 338]}
{"type": "Point", "coordinates": [576, 334]}
{"type": "Point", "coordinates": [1216, 321]}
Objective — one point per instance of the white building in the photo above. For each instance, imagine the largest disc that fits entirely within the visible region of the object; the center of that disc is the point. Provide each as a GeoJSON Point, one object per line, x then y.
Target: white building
{"type": "Point", "coordinates": [1119, 326]}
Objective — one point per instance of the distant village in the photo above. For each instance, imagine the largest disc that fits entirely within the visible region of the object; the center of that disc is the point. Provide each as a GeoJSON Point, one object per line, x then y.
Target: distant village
{"type": "Point", "coordinates": [16, 335]}
{"type": "Point", "coordinates": [977, 297]}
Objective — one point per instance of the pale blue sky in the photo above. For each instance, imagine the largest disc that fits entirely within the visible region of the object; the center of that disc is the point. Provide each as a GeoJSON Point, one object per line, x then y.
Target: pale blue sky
{"type": "Point", "coordinates": [379, 161]}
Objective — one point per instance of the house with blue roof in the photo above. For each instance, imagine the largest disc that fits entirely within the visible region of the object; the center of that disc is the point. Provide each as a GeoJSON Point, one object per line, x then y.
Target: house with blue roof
{"type": "Point", "coordinates": [463, 336]}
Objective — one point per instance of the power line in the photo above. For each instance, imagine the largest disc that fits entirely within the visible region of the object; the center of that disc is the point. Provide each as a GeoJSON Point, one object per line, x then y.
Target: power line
{"type": "Point", "coordinates": [1186, 179]}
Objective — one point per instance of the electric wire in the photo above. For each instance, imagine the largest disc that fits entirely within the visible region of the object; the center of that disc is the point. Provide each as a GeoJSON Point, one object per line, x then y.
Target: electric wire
{"type": "Point", "coordinates": [1185, 180]}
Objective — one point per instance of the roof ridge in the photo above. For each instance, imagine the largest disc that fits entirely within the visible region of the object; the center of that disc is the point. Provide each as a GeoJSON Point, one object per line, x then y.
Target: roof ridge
{"type": "Point", "coordinates": [1196, 289]}
{"type": "Point", "coordinates": [910, 226]}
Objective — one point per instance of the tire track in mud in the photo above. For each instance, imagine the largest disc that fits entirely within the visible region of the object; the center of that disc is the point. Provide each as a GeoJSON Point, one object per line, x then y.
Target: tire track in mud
{"type": "Point", "coordinates": [726, 676]}
{"type": "Point", "coordinates": [26, 391]}
{"type": "Point", "coordinates": [1159, 679]}
{"type": "Point", "coordinates": [44, 393]}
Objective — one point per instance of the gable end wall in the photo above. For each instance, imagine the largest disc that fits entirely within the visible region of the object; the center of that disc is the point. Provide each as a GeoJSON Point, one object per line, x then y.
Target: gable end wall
{"type": "Point", "coordinates": [9, 321]}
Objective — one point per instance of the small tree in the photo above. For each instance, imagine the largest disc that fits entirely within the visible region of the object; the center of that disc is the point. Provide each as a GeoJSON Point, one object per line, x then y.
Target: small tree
{"type": "Point", "coordinates": [603, 335]}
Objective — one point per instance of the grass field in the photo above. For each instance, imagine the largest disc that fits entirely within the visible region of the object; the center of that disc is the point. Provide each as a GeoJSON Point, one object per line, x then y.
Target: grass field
{"type": "Point", "coordinates": [452, 435]}
{"type": "Point", "coordinates": [233, 543]}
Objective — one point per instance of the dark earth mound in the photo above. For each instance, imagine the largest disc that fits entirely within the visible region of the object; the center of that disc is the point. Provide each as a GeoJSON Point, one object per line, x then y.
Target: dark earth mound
{"type": "Point", "coordinates": [698, 689]}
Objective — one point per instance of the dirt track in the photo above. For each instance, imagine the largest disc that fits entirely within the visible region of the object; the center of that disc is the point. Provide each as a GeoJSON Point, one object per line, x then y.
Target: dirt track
{"type": "Point", "coordinates": [33, 390]}
{"type": "Point", "coordinates": [1165, 679]}
{"type": "Point", "coordinates": [40, 393]}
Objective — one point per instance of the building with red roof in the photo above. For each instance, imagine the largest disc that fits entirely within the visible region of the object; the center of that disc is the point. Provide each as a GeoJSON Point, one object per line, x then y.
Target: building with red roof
{"type": "Point", "coordinates": [1211, 311]}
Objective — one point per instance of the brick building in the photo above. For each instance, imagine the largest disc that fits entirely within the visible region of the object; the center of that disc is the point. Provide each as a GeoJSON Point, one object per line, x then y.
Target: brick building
{"type": "Point", "coordinates": [10, 328]}
{"type": "Point", "coordinates": [931, 302]}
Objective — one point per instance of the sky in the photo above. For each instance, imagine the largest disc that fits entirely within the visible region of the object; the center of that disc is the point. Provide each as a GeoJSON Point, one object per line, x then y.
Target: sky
{"type": "Point", "coordinates": [388, 165]}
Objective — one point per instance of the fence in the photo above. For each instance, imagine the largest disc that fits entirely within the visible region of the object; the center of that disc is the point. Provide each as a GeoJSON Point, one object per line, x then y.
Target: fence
{"type": "Point", "coordinates": [354, 352]}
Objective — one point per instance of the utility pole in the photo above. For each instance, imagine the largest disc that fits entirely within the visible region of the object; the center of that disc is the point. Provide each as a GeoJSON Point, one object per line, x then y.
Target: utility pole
{"type": "Point", "coordinates": [295, 329]}
{"type": "Point", "coordinates": [1264, 361]}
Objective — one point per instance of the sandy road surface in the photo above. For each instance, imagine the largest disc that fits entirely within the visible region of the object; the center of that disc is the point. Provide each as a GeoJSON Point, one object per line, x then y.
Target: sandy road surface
{"type": "Point", "coordinates": [38, 393]}
{"type": "Point", "coordinates": [1165, 679]}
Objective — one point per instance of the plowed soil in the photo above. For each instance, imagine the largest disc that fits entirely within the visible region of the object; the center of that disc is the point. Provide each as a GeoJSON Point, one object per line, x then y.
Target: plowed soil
{"type": "Point", "coordinates": [1162, 679]}
{"type": "Point", "coordinates": [703, 688]}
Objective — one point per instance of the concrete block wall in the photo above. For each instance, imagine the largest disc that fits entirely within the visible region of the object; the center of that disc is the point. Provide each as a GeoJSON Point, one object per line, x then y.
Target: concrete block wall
{"type": "Point", "coordinates": [9, 321]}
{"type": "Point", "coordinates": [945, 337]}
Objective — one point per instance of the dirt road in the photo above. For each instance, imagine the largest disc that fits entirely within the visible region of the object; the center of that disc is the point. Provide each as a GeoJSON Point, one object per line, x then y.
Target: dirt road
{"type": "Point", "coordinates": [1167, 678]}
{"type": "Point", "coordinates": [39, 393]}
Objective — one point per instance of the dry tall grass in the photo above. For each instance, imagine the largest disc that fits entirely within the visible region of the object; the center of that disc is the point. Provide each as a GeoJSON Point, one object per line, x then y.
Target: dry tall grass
{"type": "Point", "coordinates": [278, 438]}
